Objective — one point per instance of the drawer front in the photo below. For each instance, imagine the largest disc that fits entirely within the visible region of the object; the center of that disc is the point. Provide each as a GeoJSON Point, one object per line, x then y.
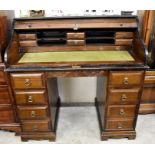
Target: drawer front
{"type": "Point", "coordinates": [4, 96]}
{"type": "Point", "coordinates": [2, 78]}
{"type": "Point", "coordinates": [123, 41]}
{"type": "Point", "coordinates": [125, 124]}
{"type": "Point", "coordinates": [6, 115]}
{"type": "Point", "coordinates": [148, 94]}
{"type": "Point", "coordinates": [34, 126]}
{"type": "Point", "coordinates": [124, 35]}
{"type": "Point", "coordinates": [30, 97]}
{"type": "Point", "coordinates": [27, 80]}
{"type": "Point", "coordinates": [125, 78]}
{"type": "Point", "coordinates": [123, 95]}
{"type": "Point", "coordinates": [31, 43]}
{"type": "Point", "coordinates": [75, 42]}
{"type": "Point", "coordinates": [27, 36]}
{"type": "Point", "coordinates": [117, 111]}
{"type": "Point", "coordinates": [149, 80]}
{"type": "Point", "coordinates": [32, 112]}
{"type": "Point", "coordinates": [75, 36]}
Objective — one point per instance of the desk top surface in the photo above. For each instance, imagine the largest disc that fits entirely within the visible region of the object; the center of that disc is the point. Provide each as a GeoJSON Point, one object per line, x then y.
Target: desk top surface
{"type": "Point", "coordinates": [76, 56]}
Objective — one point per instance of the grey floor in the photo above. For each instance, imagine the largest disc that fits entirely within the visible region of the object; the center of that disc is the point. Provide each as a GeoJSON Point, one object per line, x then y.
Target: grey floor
{"type": "Point", "coordinates": [79, 125]}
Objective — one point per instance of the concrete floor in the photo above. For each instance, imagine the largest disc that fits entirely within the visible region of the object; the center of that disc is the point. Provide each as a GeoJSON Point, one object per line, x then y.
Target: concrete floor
{"type": "Point", "coordinates": [80, 125]}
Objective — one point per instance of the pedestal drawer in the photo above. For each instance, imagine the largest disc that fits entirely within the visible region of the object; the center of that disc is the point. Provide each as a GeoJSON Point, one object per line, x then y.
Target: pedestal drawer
{"type": "Point", "coordinates": [124, 124]}
{"type": "Point", "coordinates": [30, 97]}
{"type": "Point", "coordinates": [125, 78]}
{"type": "Point", "coordinates": [26, 112]}
{"type": "Point", "coordinates": [27, 80]}
{"type": "Point", "coordinates": [117, 111]}
{"type": "Point", "coordinates": [37, 125]}
{"type": "Point", "coordinates": [118, 96]}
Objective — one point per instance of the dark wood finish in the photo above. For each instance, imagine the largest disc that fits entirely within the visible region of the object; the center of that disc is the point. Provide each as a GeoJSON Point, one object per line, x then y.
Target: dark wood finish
{"type": "Point", "coordinates": [8, 120]}
{"type": "Point", "coordinates": [27, 36]}
{"type": "Point", "coordinates": [28, 43]}
{"type": "Point", "coordinates": [75, 36]}
{"type": "Point", "coordinates": [128, 79]}
{"type": "Point", "coordinates": [124, 35]}
{"type": "Point", "coordinates": [119, 83]}
{"type": "Point", "coordinates": [36, 126]}
{"type": "Point", "coordinates": [37, 97]}
{"type": "Point", "coordinates": [147, 105]}
{"type": "Point", "coordinates": [32, 112]}
{"type": "Point", "coordinates": [75, 42]}
{"type": "Point", "coordinates": [121, 111]}
{"type": "Point", "coordinates": [118, 124]}
{"type": "Point", "coordinates": [123, 96]}
{"type": "Point", "coordinates": [27, 80]}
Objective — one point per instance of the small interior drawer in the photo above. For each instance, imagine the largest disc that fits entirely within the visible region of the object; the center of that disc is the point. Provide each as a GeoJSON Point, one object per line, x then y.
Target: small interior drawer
{"type": "Point", "coordinates": [120, 124]}
{"type": "Point", "coordinates": [124, 35]}
{"type": "Point", "coordinates": [27, 36]}
{"type": "Point", "coordinates": [29, 112]}
{"type": "Point", "coordinates": [75, 36]}
{"type": "Point", "coordinates": [76, 42]}
{"type": "Point", "coordinates": [30, 43]}
{"type": "Point", "coordinates": [121, 111]}
{"type": "Point", "coordinates": [29, 80]}
{"type": "Point", "coordinates": [36, 126]}
{"type": "Point", "coordinates": [30, 97]}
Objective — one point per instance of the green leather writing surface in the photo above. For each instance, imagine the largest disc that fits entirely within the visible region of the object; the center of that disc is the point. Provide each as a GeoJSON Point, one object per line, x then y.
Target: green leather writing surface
{"type": "Point", "coordinates": [76, 56]}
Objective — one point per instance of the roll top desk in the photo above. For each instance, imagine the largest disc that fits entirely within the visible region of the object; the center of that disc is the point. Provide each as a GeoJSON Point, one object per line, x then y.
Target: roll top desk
{"type": "Point", "coordinates": [43, 49]}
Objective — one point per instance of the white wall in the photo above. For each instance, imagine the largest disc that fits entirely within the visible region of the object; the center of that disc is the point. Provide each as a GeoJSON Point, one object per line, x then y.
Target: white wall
{"type": "Point", "coordinates": [82, 89]}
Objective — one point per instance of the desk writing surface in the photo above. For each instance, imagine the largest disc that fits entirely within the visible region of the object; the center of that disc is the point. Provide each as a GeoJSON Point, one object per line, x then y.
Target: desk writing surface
{"type": "Point", "coordinates": [76, 56]}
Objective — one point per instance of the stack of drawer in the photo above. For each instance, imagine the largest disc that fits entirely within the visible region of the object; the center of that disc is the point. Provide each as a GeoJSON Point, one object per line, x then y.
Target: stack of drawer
{"type": "Point", "coordinates": [76, 38]}
{"type": "Point", "coordinates": [32, 105]}
{"type": "Point", "coordinates": [6, 109]}
{"type": "Point", "coordinates": [124, 92]}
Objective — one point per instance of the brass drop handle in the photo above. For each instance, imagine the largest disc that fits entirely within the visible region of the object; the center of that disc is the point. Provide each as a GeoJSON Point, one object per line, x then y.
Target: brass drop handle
{"type": "Point", "coordinates": [34, 127]}
{"type": "Point", "coordinates": [122, 112]}
{"type": "Point", "coordinates": [30, 99]}
{"type": "Point", "coordinates": [123, 97]}
{"type": "Point", "coordinates": [33, 114]}
{"type": "Point", "coordinates": [27, 82]}
{"type": "Point", "coordinates": [126, 81]}
{"type": "Point", "coordinates": [119, 126]}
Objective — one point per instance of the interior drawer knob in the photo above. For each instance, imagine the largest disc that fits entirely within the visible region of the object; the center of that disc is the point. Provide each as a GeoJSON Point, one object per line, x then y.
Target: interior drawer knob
{"type": "Point", "coordinates": [123, 97]}
{"type": "Point", "coordinates": [33, 114]}
{"type": "Point", "coordinates": [122, 112]}
{"type": "Point", "coordinates": [126, 81]}
{"type": "Point", "coordinates": [27, 82]}
{"type": "Point", "coordinates": [119, 126]}
{"type": "Point", "coordinates": [30, 99]}
{"type": "Point", "coordinates": [35, 128]}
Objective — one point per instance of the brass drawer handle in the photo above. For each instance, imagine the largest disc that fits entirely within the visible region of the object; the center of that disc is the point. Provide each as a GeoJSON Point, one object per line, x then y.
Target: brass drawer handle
{"type": "Point", "coordinates": [33, 114]}
{"type": "Point", "coordinates": [123, 97]}
{"type": "Point", "coordinates": [27, 82]}
{"type": "Point", "coordinates": [35, 128]}
{"type": "Point", "coordinates": [122, 112]}
{"type": "Point", "coordinates": [30, 99]}
{"type": "Point", "coordinates": [126, 81]}
{"type": "Point", "coordinates": [119, 126]}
